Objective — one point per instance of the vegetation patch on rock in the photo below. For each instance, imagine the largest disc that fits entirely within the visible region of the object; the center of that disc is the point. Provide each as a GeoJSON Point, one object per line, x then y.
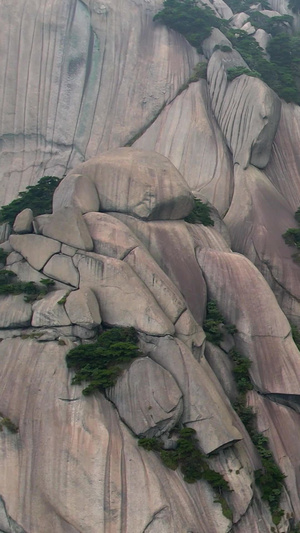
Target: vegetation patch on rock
{"type": "Point", "coordinates": [200, 214]}
{"type": "Point", "coordinates": [192, 463]}
{"type": "Point", "coordinates": [100, 363]}
{"type": "Point", "coordinates": [36, 197]}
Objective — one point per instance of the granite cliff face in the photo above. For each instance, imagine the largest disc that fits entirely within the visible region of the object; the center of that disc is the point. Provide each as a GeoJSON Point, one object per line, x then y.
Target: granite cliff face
{"type": "Point", "coordinates": [102, 94]}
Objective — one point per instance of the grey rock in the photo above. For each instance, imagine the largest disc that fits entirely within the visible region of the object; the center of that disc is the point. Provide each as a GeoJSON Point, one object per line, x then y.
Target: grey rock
{"type": "Point", "coordinates": [14, 312]}
{"type": "Point", "coordinates": [23, 222]}
{"type": "Point", "coordinates": [83, 333]}
{"type": "Point", "coordinates": [137, 182]}
{"type": "Point", "coordinates": [13, 257]}
{"type": "Point", "coordinates": [61, 268]}
{"type": "Point", "coordinates": [79, 192]}
{"type": "Point", "coordinates": [110, 236]}
{"type": "Point", "coordinates": [36, 249]}
{"type": "Point", "coordinates": [67, 226]}
{"type": "Point", "coordinates": [68, 250]}
{"type": "Point", "coordinates": [83, 309]}
{"type": "Point", "coordinates": [49, 312]}
{"type": "Point", "coordinates": [215, 422]}
{"type": "Point", "coordinates": [147, 398]}
{"type": "Point", "coordinates": [123, 299]}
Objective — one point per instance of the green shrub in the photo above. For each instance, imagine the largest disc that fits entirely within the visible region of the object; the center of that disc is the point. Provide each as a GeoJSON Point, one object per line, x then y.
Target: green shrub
{"type": "Point", "coordinates": [8, 424]}
{"type": "Point", "coordinates": [192, 21]}
{"type": "Point", "coordinates": [3, 256]}
{"type": "Point", "coordinates": [241, 367]}
{"type": "Point", "coordinates": [36, 197]}
{"type": "Point", "coordinates": [98, 363]}
{"type": "Point", "coordinates": [212, 324]}
{"type": "Point", "coordinates": [192, 463]}
{"type": "Point", "coordinates": [200, 214]}
{"type": "Point", "coordinates": [199, 72]}
{"type": "Point", "coordinates": [234, 72]}
{"type": "Point", "coordinates": [296, 335]}
{"type": "Point", "coordinates": [9, 284]}
{"type": "Point", "coordinates": [150, 444]}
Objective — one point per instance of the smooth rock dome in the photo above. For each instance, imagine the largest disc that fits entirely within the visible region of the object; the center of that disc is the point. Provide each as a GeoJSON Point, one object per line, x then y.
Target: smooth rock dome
{"type": "Point", "coordinates": [140, 183]}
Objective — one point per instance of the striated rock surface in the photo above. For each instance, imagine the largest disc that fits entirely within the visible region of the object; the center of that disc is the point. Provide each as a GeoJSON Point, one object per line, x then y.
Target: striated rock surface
{"type": "Point", "coordinates": [185, 132]}
{"type": "Point", "coordinates": [75, 48]}
{"type": "Point", "coordinates": [153, 408]}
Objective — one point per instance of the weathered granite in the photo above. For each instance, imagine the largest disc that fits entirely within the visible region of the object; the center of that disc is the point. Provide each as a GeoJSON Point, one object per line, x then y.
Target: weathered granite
{"type": "Point", "coordinates": [263, 332]}
{"type": "Point", "coordinates": [171, 246]}
{"type": "Point", "coordinates": [153, 408]}
{"type": "Point", "coordinates": [14, 311]}
{"type": "Point", "coordinates": [82, 308]}
{"type": "Point", "coordinates": [61, 268]}
{"type": "Point", "coordinates": [50, 310]}
{"type": "Point", "coordinates": [185, 132]}
{"type": "Point", "coordinates": [110, 236]}
{"type": "Point", "coordinates": [23, 222]}
{"type": "Point", "coordinates": [123, 299]}
{"type": "Point", "coordinates": [136, 182]}
{"type": "Point", "coordinates": [257, 218]}
{"type": "Point", "coordinates": [213, 419]}
{"type": "Point", "coordinates": [231, 104]}
{"type": "Point", "coordinates": [80, 193]}
{"type": "Point", "coordinates": [36, 249]}
{"type": "Point", "coordinates": [87, 83]}
{"type": "Point", "coordinates": [68, 226]}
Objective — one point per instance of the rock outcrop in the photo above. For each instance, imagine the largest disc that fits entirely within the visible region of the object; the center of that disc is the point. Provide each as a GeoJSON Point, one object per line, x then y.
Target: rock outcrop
{"type": "Point", "coordinates": [104, 97]}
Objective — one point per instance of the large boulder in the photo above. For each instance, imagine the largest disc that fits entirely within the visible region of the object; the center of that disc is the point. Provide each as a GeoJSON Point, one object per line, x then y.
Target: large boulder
{"type": "Point", "coordinates": [135, 182]}
{"type": "Point", "coordinates": [147, 398]}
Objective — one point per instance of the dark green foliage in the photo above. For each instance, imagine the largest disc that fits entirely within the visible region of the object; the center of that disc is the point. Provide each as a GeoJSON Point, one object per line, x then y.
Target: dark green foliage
{"type": "Point", "coordinates": [9, 284]}
{"type": "Point", "coordinates": [200, 214]}
{"type": "Point", "coordinates": [269, 478]}
{"type": "Point", "coordinates": [234, 72]}
{"type": "Point", "coordinates": [192, 463]}
{"type": "Point", "coordinates": [238, 6]}
{"type": "Point", "coordinates": [241, 367]}
{"type": "Point", "coordinates": [169, 459]}
{"type": "Point", "coordinates": [98, 363]}
{"type": "Point", "coordinates": [199, 72]}
{"type": "Point", "coordinates": [294, 6]}
{"type": "Point", "coordinates": [192, 21]}
{"type": "Point", "coordinates": [296, 335]}
{"type": "Point", "coordinates": [292, 237]}
{"type": "Point", "coordinates": [272, 25]}
{"type": "Point", "coordinates": [212, 324]}
{"type": "Point", "coordinates": [8, 424]}
{"type": "Point", "coordinates": [37, 197]}
{"type": "Point", "coordinates": [3, 256]}
{"type": "Point", "coordinates": [150, 444]}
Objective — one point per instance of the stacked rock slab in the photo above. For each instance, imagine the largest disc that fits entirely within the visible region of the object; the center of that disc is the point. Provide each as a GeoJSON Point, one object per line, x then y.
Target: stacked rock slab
{"type": "Point", "coordinates": [120, 270]}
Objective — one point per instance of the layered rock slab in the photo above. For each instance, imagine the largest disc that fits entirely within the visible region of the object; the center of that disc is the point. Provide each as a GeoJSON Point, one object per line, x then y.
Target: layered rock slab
{"type": "Point", "coordinates": [257, 218]}
{"type": "Point", "coordinates": [263, 332]}
{"type": "Point", "coordinates": [246, 102]}
{"type": "Point", "coordinates": [123, 299]}
{"type": "Point", "coordinates": [170, 244]}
